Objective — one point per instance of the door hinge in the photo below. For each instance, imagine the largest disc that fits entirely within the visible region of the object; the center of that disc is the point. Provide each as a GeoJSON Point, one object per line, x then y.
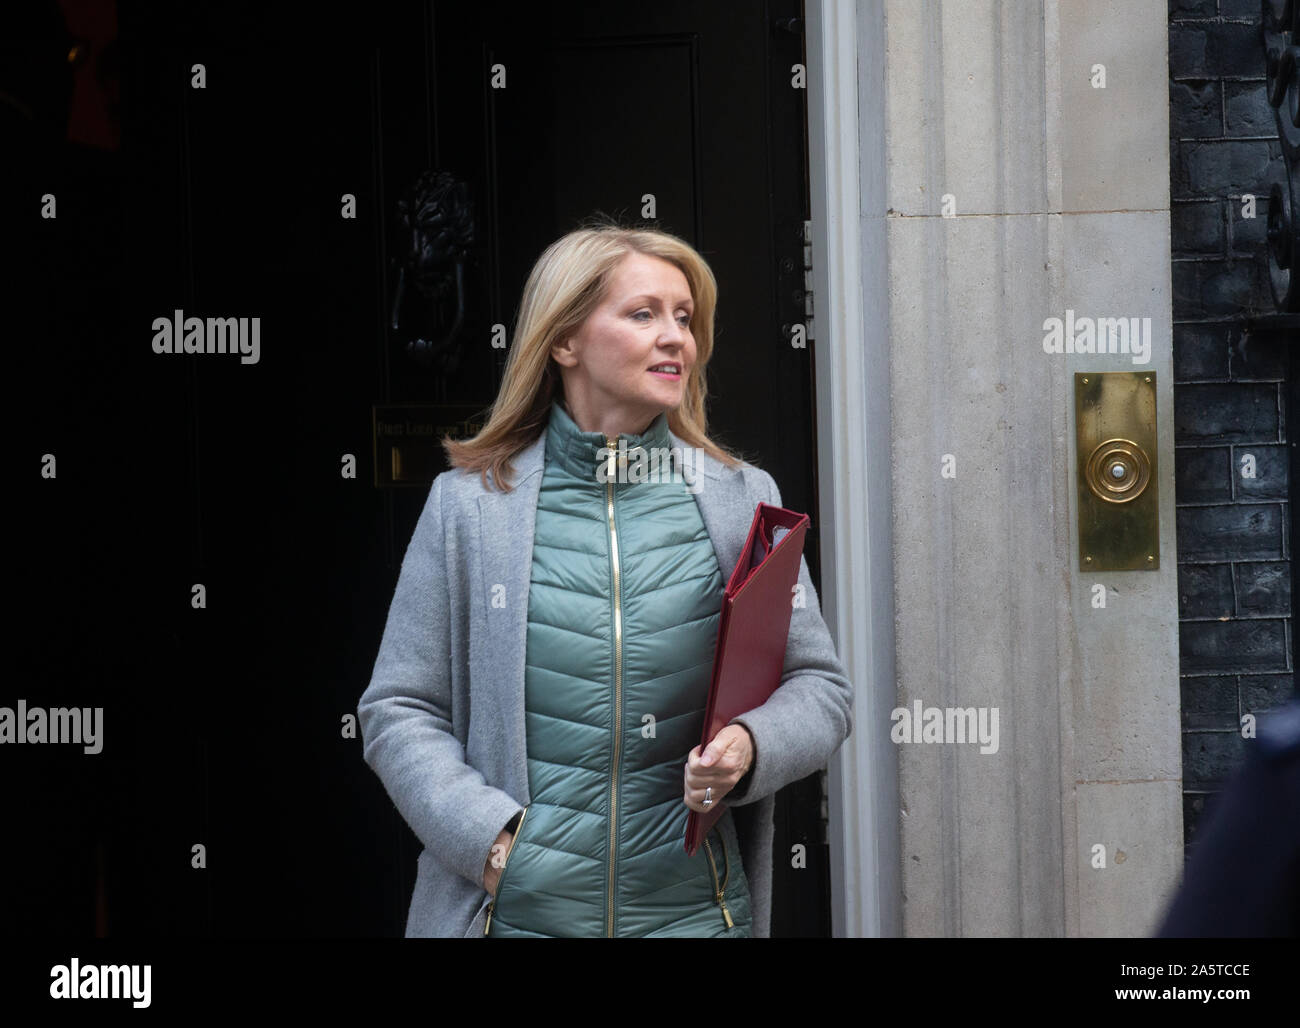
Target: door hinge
{"type": "Point", "coordinates": [807, 279]}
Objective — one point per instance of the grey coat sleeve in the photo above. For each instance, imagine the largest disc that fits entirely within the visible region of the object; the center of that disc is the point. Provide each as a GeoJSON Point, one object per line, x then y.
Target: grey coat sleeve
{"type": "Point", "coordinates": [406, 719]}
{"type": "Point", "coordinates": [810, 714]}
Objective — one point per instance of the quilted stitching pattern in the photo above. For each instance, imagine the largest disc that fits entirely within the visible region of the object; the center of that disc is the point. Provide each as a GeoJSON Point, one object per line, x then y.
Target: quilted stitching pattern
{"type": "Point", "coordinates": [555, 882]}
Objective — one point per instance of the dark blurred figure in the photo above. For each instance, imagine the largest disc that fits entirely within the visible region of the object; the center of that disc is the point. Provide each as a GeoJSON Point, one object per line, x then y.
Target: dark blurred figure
{"type": "Point", "coordinates": [1243, 876]}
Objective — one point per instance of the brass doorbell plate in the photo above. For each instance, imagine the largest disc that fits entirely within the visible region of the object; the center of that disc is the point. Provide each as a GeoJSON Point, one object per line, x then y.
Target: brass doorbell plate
{"type": "Point", "coordinates": [1119, 499]}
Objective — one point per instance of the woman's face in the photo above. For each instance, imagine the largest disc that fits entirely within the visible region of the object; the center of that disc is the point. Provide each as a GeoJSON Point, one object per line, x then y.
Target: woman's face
{"type": "Point", "coordinates": [642, 322]}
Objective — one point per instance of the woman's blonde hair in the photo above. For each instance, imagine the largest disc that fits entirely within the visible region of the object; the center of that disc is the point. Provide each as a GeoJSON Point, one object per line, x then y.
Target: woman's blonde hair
{"type": "Point", "coordinates": [566, 284]}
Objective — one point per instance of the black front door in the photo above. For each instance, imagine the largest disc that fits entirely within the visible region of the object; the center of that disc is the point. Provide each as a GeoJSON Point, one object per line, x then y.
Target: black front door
{"type": "Point", "coordinates": [690, 114]}
{"type": "Point", "coordinates": [231, 517]}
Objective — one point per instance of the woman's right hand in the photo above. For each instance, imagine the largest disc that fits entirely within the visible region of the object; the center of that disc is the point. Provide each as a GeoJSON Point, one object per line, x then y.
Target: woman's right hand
{"type": "Point", "coordinates": [496, 861]}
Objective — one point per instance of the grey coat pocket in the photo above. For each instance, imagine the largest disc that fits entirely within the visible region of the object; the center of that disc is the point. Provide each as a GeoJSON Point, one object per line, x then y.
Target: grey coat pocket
{"type": "Point", "coordinates": [476, 927]}
{"type": "Point", "coordinates": [505, 866]}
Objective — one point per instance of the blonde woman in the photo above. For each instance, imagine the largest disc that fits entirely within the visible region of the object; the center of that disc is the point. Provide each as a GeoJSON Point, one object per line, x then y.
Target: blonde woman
{"type": "Point", "coordinates": [538, 698]}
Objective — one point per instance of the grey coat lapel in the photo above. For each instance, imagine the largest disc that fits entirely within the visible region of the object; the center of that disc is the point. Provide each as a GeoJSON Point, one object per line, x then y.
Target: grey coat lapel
{"type": "Point", "coordinates": [725, 506]}
{"type": "Point", "coordinates": [506, 522]}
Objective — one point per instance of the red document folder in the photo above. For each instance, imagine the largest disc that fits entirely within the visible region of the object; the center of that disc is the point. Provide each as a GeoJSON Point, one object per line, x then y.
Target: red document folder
{"type": "Point", "coordinates": [752, 631]}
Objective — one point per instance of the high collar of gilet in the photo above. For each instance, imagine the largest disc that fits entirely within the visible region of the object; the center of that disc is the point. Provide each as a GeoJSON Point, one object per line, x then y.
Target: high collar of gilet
{"type": "Point", "coordinates": [582, 453]}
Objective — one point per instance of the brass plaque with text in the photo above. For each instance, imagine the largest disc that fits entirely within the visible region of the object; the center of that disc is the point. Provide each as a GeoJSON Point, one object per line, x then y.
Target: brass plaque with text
{"type": "Point", "coordinates": [408, 439]}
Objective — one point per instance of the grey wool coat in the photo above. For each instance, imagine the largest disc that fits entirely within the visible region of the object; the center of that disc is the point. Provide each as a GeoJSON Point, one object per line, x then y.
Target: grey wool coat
{"type": "Point", "coordinates": [442, 720]}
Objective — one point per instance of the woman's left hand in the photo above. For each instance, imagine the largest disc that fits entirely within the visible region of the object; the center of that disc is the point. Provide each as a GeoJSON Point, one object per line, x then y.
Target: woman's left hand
{"type": "Point", "coordinates": [722, 764]}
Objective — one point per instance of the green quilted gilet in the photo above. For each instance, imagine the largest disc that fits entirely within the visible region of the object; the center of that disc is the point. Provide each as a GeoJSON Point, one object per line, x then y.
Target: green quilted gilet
{"type": "Point", "coordinates": [622, 626]}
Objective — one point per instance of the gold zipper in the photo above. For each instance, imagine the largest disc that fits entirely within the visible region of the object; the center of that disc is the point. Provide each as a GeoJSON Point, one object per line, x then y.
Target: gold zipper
{"type": "Point", "coordinates": [720, 889]}
{"type": "Point", "coordinates": [618, 688]}
{"type": "Point", "coordinates": [504, 864]}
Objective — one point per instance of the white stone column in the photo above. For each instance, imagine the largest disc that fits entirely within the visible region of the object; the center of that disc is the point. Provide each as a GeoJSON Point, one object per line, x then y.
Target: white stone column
{"type": "Point", "coordinates": [846, 140]}
{"type": "Point", "coordinates": [1060, 192]}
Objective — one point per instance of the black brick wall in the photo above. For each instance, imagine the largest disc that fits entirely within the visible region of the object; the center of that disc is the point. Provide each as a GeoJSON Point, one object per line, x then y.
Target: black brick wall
{"type": "Point", "coordinates": [1233, 534]}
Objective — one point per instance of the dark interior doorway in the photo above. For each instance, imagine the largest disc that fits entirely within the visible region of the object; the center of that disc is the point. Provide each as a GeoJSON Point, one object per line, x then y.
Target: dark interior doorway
{"type": "Point", "coordinates": [222, 723]}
